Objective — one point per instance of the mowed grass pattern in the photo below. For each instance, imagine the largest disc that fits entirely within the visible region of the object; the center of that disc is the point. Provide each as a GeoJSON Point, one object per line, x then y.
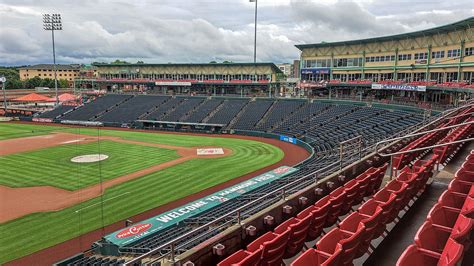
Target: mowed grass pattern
{"type": "Point", "coordinates": [11, 130]}
{"type": "Point", "coordinates": [53, 166]}
{"type": "Point", "coordinates": [40, 230]}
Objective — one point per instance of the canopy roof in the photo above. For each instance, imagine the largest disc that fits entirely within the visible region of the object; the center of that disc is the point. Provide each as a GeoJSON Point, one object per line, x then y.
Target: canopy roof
{"type": "Point", "coordinates": [32, 97]}
{"type": "Point", "coordinates": [65, 97]}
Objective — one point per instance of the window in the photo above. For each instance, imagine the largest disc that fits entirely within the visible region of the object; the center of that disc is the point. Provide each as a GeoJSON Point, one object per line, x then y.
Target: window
{"type": "Point", "coordinates": [420, 56]}
{"type": "Point", "coordinates": [454, 53]}
{"type": "Point", "coordinates": [348, 62]}
{"type": "Point", "coordinates": [469, 51]}
{"type": "Point", "coordinates": [437, 54]}
{"type": "Point", "coordinates": [404, 57]}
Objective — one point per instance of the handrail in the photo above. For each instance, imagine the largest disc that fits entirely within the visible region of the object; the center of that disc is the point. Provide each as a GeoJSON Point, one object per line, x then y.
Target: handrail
{"type": "Point", "coordinates": [229, 214]}
{"type": "Point", "coordinates": [172, 243]}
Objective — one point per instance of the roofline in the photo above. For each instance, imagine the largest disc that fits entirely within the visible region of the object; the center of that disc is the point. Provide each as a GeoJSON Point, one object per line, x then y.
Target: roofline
{"type": "Point", "coordinates": [462, 24]}
{"type": "Point", "coordinates": [272, 65]}
{"type": "Point", "coordinates": [42, 66]}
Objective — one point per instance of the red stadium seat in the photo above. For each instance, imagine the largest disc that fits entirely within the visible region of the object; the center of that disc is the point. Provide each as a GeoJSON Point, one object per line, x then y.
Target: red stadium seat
{"type": "Point", "coordinates": [468, 207]}
{"type": "Point", "coordinates": [319, 212]}
{"type": "Point", "coordinates": [337, 199]}
{"type": "Point", "coordinates": [460, 187]}
{"type": "Point", "coordinates": [452, 200]}
{"type": "Point", "coordinates": [370, 222]}
{"type": "Point", "coordinates": [452, 254]}
{"type": "Point", "coordinates": [352, 192]}
{"type": "Point", "coordinates": [348, 241]}
{"type": "Point", "coordinates": [442, 216]}
{"type": "Point", "coordinates": [462, 229]}
{"type": "Point", "coordinates": [431, 237]}
{"type": "Point", "coordinates": [273, 247]}
{"type": "Point", "coordinates": [313, 257]}
{"type": "Point", "coordinates": [465, 175]}
{"type": "Point", "coordinates": [400, 190]}
{"type": "Point", "coordinates": [364, 182]}
{"type": "Point", "coordinates": [299, 230]}
{"type": "Point", "coordinates": [414, 255]}
{"type": "Point", "coordinates": [242, 258]}
{"type": "Point", "coordinates": [386, 201]}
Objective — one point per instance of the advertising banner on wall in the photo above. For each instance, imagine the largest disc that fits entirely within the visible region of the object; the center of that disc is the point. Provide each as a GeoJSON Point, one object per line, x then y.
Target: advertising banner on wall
{"type": "Point", "coordinates": [315, 71]}
{"type": "Point", "coordinates": [400, 87]}
{"type": "Point", "coordinates": [145, 228]}
{"type": "Point", "coordinates": [288, 139]}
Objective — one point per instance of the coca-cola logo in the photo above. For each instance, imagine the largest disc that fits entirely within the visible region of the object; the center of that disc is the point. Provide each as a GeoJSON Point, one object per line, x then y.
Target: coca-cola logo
{"type": "Point", "coordinates": [281, 170]}
{"type": "Point", "coordinates": [134, 230]}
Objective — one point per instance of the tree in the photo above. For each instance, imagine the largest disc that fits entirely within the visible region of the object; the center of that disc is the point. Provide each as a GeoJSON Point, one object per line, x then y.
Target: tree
{"type": "Point", "coordinates": [62, 83]}
{"type": "Point", "coordinates": [213, 62]}
{"type": "Point", "coordinates": [140, 62]}
{"type": "Point", "coordinates": [13, 78]}
{"type": "Point", "coordinates": [227, 62]}
{"type": "Point", "coordinates": [120, 62]}
{"type": "Point", "coordinates": [33, 83]}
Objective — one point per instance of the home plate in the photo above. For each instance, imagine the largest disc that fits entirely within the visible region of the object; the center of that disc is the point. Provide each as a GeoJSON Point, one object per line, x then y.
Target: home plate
{"type": "Point", "coordinates": [210, 151]}
{"type": "Point", "coordinates": [89, 158]}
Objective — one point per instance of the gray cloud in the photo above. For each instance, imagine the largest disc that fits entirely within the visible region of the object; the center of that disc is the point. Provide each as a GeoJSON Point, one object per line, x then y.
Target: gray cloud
{"type": "Point", "coordinates": [204, 30]}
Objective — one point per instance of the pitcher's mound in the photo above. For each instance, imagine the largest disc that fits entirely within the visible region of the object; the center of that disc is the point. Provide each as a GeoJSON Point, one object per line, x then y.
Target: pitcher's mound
{"type": "Point", "coordinates": [89, 158]}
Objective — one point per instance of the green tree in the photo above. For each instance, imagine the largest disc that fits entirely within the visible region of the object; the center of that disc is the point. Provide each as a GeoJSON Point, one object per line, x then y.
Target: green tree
{"type": "Point", "coordinates": [140, 62]}
{"type": "Point", "coordinates": [120, 62]}
{"type": "Point", "coordinates": [213, 62]}
{"type": "Point", "coordinates": [13, 78]}
{"type": "Point", "coordinates": [62, 83]}
{"type": "Point", "coordinates": [33, 83]}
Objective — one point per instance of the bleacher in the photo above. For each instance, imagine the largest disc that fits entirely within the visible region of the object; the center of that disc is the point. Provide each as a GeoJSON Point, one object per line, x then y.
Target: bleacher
{"type": "Point", "coordinates": [91, 110]}
{"type": "Point", "coordinates": [203, 110]}
{"type": "Point", "coordinates": [56, 112]}
{"type": "Point", "coordinates": [324, 126]}
{"type": "Point", "coordinates": [187, 105]}
{"type": "Point", "coordinates": [132, 109]}
{"type": "Point", "coordinates": [229, 109]}
{"type": "Point", "coordinates": [252, 114]}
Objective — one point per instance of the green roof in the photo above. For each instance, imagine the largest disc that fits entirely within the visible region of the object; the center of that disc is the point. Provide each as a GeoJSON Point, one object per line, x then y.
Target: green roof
{"type": "Point", "coordinates": [272, 65]}
{"type": "Point", "coordinates": [463, 24]}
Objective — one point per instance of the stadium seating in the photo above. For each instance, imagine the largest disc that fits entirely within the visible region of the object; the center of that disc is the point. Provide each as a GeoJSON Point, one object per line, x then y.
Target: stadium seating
{"type": "Point", "coordinates": [446, 233]}
{"type": "Point", "coordinates": [56, 112]}
{"type": "Point", "coordinates": [91, 110]}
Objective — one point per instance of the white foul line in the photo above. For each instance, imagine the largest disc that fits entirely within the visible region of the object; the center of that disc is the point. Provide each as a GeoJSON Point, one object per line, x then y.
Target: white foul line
{"type": "Point", "coordinates": [101, 202]}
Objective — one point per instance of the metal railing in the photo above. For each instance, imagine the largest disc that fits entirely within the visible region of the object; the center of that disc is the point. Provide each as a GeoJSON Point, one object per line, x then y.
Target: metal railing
{"type": "Point", "coordinates": [234, 217]}
{"type": "Point", "coordinates": [235, 214]}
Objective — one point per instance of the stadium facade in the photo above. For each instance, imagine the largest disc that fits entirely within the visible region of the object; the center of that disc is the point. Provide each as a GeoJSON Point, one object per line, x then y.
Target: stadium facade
{"type": "Point", "coordinates": [206, 78]}
{"type": "Point", "coordinates": [441, 57]}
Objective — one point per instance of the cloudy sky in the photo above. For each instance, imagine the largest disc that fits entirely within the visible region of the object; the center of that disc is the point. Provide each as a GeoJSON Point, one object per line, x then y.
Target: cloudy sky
{"type": "Point", "coordinates": [205, 30]}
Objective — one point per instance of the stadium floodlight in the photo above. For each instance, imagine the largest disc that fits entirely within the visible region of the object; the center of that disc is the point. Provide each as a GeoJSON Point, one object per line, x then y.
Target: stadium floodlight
{"type": "Point", "coordinates": [255, 34]}
{"type": "Point", "coordinates": [52, 22]}
{"type": "Point", "coordinates": [3, 80]}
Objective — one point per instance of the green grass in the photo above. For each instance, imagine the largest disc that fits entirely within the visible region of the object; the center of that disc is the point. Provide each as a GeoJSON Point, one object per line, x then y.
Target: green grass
{"type": "Point", "coordinates": [10, 130]}
{"type": "Point", "coordinates": [40, 230]}
{"type": "Point", "coordinates": [53, 166]}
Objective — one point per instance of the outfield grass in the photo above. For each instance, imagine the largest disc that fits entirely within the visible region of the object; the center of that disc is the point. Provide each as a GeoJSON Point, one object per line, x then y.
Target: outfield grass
{"type": "Point", "coordinates": [10, 130]}
{"type": "Point", "coordinates": [40, 230]}
{"type": "Point", "coordinates": [53, 166]}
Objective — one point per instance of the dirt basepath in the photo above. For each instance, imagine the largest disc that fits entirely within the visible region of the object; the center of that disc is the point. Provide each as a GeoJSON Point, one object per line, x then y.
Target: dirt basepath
{"type": "Point", "coordinates": [293, 155]}
{"type": "Point", "coordinates": [18, 202]}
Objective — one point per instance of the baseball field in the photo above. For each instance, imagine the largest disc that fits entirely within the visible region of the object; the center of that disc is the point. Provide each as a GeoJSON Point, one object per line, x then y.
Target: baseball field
{"type": "Point", "coordinates": [51, 192]}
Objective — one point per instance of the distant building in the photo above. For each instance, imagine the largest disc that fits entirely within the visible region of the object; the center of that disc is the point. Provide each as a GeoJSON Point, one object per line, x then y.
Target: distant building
{"type": "Point", "coordinates": [285, 68]}
{"type": "Point", "coordinates": [295, 69]}
{"type": "Point", "coordinates": [43, 71]}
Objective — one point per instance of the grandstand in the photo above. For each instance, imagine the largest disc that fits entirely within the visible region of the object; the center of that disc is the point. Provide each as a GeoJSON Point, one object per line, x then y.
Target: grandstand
{"type": "Point", "coordinates": [349, 196]}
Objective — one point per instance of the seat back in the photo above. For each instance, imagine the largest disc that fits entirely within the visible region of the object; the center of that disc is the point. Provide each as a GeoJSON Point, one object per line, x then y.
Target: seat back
{"type": "Point", "coordinates": [415, 256]}
{"type": "Point", "coordinates": [274, 250]}
{"type": "Point", "coordinates": [431, 238]}
{"type": "Point", "coordinates": [452, 253]}
{"type": "Point", "coordinates": [442, 216]}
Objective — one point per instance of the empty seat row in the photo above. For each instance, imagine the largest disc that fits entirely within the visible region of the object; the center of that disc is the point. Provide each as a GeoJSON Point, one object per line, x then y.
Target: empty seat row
{"type": "Point", "coordinates": [352, 238]}
{"type": "Point", "coordinates": [288, 238]}
{"type": "Point", "coordinates": [447, 232]}
{"type": "Point", "coordinates": [456, 134]}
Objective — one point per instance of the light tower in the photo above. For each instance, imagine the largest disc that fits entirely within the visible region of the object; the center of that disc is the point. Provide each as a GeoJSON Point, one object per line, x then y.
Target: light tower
{"type": "Point", "coordinates": [52, 22]}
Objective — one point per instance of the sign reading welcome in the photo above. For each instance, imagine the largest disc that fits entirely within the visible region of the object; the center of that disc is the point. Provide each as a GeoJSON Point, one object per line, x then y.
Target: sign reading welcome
{"type": "Point", "coordinates": [400, 87]}
{"type": "Point", "coordinates": [145, 228]}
